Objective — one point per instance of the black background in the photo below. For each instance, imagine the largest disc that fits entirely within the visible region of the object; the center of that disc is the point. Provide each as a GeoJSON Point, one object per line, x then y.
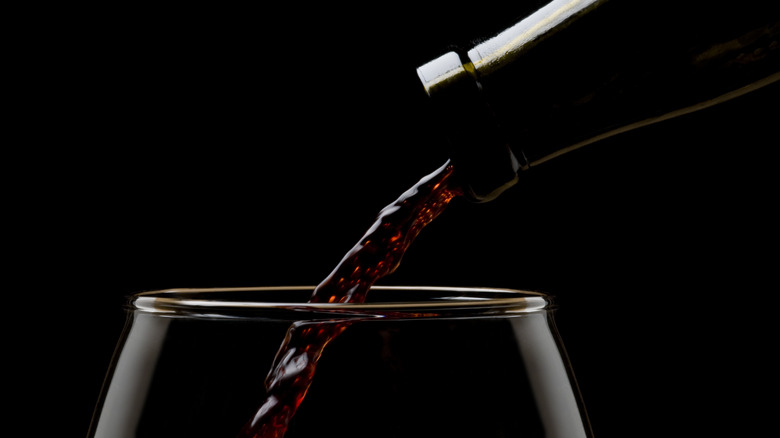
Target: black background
{"type": "Point", "coordinates": [219, 146]}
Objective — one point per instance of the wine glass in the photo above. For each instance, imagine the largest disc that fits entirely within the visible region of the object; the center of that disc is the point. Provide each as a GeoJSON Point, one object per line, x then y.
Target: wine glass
{"type": "Point", "coordinates": [409, 362]}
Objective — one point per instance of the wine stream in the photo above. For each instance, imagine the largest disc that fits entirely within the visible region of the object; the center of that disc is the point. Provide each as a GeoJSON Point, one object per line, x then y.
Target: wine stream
{"type": "Point", "coordinates": [377, 254]}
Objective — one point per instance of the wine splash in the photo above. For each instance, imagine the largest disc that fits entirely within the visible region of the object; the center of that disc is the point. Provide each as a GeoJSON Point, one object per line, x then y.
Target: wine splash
{"type": "Point", "coordinates": [378, 253]}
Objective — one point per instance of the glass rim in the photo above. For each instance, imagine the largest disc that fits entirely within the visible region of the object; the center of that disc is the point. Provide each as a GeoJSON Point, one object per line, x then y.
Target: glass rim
{"type": "Point", "coordinates": [425, 301]}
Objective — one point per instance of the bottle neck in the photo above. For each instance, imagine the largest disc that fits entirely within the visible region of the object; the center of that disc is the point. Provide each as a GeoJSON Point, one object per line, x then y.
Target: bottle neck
{"type": "Point", "coordinates": [484, 161]}
{"type": "Point", "coordinates": [578, 71]}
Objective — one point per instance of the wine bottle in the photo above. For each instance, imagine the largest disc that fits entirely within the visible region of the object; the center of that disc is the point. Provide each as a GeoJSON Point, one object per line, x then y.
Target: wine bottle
{"type": "Point", "coordinates": [578, 71]}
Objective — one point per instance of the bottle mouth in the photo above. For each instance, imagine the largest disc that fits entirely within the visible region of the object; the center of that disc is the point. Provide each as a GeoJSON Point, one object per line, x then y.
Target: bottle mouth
{"type": "Point", "coordinates": [291, 303]}
{"type": "Point", "coordinates": [485, 164]}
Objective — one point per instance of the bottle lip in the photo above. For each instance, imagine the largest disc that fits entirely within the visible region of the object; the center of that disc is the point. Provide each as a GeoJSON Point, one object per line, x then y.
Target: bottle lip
{"type": "Point", "coordinates": [438, 73]}
{"type": "Point", "coordinates": [291, 303]}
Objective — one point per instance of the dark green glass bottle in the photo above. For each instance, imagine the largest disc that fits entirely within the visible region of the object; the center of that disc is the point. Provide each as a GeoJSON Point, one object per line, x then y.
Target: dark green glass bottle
{"type": "Point", "coordinates": [578, 71]}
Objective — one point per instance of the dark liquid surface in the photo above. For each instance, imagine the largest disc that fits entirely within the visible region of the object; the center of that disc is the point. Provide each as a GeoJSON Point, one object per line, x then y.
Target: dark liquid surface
{"type": "Point", "coordinates": [378, 253]}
